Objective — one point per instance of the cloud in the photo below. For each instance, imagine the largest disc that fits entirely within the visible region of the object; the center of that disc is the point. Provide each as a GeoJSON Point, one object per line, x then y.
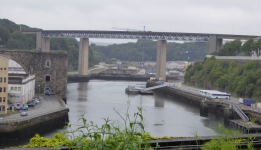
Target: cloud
{"type": "Point", "coordinates": [228, 17]}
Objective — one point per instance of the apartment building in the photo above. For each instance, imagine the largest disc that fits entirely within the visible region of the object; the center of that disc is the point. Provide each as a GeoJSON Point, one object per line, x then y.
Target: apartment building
{"type": "Point", "coordinates": [3, 84]}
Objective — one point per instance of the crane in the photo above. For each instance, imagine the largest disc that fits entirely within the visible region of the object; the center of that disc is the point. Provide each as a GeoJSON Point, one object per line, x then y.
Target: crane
{"type": "Point", "coordinates": [127, 29]}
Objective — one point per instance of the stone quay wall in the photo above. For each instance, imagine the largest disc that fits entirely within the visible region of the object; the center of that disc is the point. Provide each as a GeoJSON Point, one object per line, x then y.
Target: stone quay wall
{"type": "Point", "coordinates": [103, 76]}
{"type": "Point", "coordinates": [29, 126]}
{"type": "Point", "coordinates": [210, 106]}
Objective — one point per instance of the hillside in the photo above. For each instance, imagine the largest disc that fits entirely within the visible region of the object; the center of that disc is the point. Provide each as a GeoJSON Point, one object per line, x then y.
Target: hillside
{"type": "Point", "coordinates": [133, 51]}
{"type": "Point", "coordinates": [224, 75]}
{"type": "Point", "coordinates": [12, 38]}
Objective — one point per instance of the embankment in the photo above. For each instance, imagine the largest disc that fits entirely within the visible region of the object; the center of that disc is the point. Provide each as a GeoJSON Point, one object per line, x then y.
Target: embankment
{"type": "Point", "coordinates": [31, 125]}
{"type": "Point", "coordinates": [106, 76]}
{"type": "Point", "coordinates": [209, 106]}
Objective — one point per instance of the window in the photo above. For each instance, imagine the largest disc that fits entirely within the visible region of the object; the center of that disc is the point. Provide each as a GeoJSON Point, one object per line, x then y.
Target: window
{"type": "Point", "coordinates": [19, 88]}
{"type": "Point", "coordinates": [48, 78]}
{"type": "Point", "coordinates": [15, 88]}
{"type": "Point", "coordinates": [0, 79]}
{"type": "Point", "coordinates": [12, 88]}
{"type": "Point", "coordinates": [3, 99]}
{"type": "Point", "coordinates": [1, 68]}
{"type": "Point", "coordinates": [48, 63]}
{"type": "Point", "coordinates": [0, 108]}
{"type": "Point", "coordinates": [0, 89]}
{"type": "Point", "coordinates": [3, 108]}
{"type": "Point", "coordinates": [0, 99]}
{"type": "Point", "coordinates": [5, 79]}
{"type": "Point", "coordinates": [4, 68]}
{"type": "Point", "coordinates": [4, 89]}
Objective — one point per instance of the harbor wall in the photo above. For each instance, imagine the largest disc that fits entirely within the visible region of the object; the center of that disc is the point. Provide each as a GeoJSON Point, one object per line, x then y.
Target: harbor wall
{"type": "Point", "coordinates": [20, 128]}
{"type": "Point", "coordinates": [207, 106]}
{"type": "Point", "coordinates": [107, 76]}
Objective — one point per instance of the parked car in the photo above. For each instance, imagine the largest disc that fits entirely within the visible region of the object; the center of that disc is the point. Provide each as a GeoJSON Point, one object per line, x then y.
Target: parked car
{"type": "Point", "coordinates": [25, 107]}
{"type": "Point", "coordinates": [23, 114]}
{"type": "Point", "coordinates": [31, 104]}
{"type": "Point", "coordinates": [35, 101]}
{"type": "Point", "coordinates": [51, 93]}
{"type": "Point", "coordinates": [1, 119]}
{"type": "Point", "coordinates": [18, 106]}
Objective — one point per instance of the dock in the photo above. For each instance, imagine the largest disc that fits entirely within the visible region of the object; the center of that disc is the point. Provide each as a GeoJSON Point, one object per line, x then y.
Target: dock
{"type": "Point", "coordinates": [245, 126]}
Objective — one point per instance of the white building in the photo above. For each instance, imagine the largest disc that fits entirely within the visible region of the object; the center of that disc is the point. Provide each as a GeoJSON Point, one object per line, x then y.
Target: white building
{"type": "Point", "coordinates": [175, 64]}
{"type": "Point", "coordinates": [21, 88]}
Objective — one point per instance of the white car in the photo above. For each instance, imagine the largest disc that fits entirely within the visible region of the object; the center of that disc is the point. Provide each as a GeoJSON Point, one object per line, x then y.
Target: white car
{"type": "Point", "coordinates": [1, 119]}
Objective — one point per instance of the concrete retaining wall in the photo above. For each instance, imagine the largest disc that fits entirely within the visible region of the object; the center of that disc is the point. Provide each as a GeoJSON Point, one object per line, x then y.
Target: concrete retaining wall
{"type": "Point", "coordinates": [181, 95]}
{"type": "Point", "coordinates": [102, 76]}
{"type": "Point", "coordinates": [29, 126]}
{"type": "Point", "coordinates": [206, 107]}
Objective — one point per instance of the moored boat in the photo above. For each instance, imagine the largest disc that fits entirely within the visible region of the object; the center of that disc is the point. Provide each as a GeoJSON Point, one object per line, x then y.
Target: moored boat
{"type": "Point", "coordinates": [132, 90]}
{"type": "Point", "coordinates": [146, 92]}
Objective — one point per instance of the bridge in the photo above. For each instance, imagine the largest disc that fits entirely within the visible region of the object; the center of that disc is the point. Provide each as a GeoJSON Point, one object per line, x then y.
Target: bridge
{"type": "Point", "coordinates": [214, 42]}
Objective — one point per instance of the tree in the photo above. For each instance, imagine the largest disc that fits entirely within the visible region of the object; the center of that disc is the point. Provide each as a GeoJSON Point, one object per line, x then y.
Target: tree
{"type": "Point", "coordinates": [230, 48]}
{"type": "Point", "coordinates": [257, 47]}
{"type": "Point", "coordinates": [4, 35]}
{"type": "Point", "coordinates": [248, 46]}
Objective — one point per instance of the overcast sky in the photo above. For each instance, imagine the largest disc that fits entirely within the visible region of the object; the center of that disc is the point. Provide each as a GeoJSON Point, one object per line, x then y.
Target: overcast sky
{"type": "Point", "coordinates": [196, 16]}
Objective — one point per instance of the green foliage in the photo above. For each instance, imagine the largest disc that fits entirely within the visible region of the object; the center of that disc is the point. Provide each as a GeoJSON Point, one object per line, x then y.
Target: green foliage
{"type": "Point", "coordinates": [248, 46]}
{"type": "Point", "coordinates": [241, 79]}
{"type": "Point", "coordinates": [133, 51]}
{"type": "Point", "coordinates": [4, 35]}
{"type": "Point", "coordinates": [11, 37]}
{"type": "Point", "coordinates": [107, 136]}
{"type": "Point", "coordinates": [230, 48]}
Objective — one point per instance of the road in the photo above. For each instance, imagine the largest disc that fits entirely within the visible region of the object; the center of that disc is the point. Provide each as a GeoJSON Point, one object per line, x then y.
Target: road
{"type": "Point", "coordinates": [47, 104]}
{"type": "Point", "coordinates": [195, 91]}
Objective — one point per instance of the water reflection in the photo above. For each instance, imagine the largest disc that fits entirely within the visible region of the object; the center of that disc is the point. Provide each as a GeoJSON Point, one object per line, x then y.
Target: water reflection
{"type": "Point", "coordinates": [159, 101]}
{"type": "Point", "coordinates": [165, 115]}
{"type": "Point", "coordinates": [82, 88]}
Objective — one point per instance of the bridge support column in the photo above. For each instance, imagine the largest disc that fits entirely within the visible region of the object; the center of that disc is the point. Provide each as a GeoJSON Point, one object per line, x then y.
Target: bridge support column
{"type": "Point", "coordinates": [214, 44]}
{"type": "Point", "coordinates": [46, 44]}
{"type": "Point", "coordinates": [83, 56]}
{"type": "Point", "coordinates": [161, 60]}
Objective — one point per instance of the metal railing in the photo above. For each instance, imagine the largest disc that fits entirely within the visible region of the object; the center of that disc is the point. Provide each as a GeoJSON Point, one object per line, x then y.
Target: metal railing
{"type": "Point", "coordinates": [241, 114]}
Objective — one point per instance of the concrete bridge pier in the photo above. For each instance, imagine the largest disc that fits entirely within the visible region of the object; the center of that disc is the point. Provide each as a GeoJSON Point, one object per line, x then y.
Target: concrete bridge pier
{"type": "Point", "coordinates": [214, 44]}
{"type": "Point", "coordinates": [161, 60]}
{"type": "Point", "coordinates": [46, 44]}
{"type": "Point", "coordinates": [83, 56]}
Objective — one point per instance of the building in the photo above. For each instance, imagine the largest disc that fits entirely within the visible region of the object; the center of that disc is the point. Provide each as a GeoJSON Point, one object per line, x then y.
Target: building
{"type": "Point", "coordinates": [3, 84]}
{"type": "Point", "coordinates": [21, 87]}
{"type": "Point", "coordinates": [175, 64]}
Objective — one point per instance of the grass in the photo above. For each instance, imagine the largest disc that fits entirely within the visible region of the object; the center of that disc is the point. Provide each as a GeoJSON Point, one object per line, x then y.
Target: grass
{"type": "Point", "coordinates": [8, 112]}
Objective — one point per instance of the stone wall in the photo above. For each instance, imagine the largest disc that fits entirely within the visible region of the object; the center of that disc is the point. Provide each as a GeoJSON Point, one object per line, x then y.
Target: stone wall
{"type": "Point", "coordinates": [42, 64]}
{"type": "Point", "coordinates": [86, 78]}
{"type": "Point", "coordinates": [18, 129]}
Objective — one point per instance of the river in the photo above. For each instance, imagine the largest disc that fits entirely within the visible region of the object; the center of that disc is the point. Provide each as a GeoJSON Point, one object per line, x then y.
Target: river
{"type": "Point", "coordinates": [164, 115]}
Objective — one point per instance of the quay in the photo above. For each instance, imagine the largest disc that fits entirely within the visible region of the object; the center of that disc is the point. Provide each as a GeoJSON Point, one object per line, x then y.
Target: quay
{"type": "Point", "coordinates": [224, 107]}
{"type": "Point", "coordinates": [51, 113]}
{"type": "Point", "coordinates": [111, 76]}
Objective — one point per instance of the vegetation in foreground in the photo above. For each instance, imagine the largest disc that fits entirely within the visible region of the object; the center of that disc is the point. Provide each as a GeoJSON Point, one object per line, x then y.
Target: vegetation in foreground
{"type": "Point", "coordinates": [239, 79]}
{"type": "Point", "coordinates": [133, 136]}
